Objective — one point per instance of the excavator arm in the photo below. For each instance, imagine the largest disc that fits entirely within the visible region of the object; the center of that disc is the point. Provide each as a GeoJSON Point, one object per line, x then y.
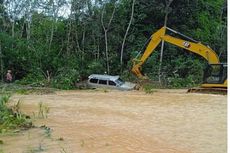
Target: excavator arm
{"type": "Point", "coordinates": [192, 46]}
{"type": "Point", "coordinates": [153, 43]}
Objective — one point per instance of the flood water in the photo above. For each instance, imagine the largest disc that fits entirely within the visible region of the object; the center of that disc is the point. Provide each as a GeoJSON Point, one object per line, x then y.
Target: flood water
{"type": "Point", "coordinates": [166, 121]}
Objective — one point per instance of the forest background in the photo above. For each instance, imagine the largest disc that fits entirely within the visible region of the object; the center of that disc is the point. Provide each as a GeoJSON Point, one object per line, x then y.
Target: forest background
{"type": "Point", "coordinates": [57, 43]}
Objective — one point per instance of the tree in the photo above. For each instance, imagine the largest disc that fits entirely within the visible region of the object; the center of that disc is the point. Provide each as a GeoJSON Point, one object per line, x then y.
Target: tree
{"type": "Point", "coordinates": [126, 33]}
{"type": "Point", "coordinates": [168, 3]}
{"type": "Point", "coordinates": [71, 38]}
{"type": "Point", "coordinates": [106, 28]}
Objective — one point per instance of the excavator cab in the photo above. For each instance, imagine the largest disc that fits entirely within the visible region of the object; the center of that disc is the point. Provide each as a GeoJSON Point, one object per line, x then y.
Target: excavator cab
{"type": "Point", "coordinates": [215, 74]}
{"type": "Point", "coordinates": [214, 80]}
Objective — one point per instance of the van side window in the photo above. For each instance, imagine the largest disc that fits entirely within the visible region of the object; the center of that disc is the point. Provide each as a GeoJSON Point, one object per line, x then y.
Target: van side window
{"type": "Point", "coordinates": [93, 80]}
{"type": "Point", "coordinates": [112, 83]}
{"type": "Point", "coordinates": [103, 82]}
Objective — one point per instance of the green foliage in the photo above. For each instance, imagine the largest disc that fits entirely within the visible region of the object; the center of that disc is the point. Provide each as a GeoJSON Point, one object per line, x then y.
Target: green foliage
{"type": "Point", "coordinates": [11, 118]}
{"type": "Point", "coordinates": [17, 88]}
{"type": "Point", "coordinates": [176, 82]}
{"type": "Point", "coordinates": [65, 79]}
{"type": "Point", "coordinates": [37, 149]}
{"type": "Point", "coordinates": [43, 110]}
{"type": "Point", "coordinates": [94, 67]}
{"type": "Point", "coordinates": [33, 79]}
{"type": "Point", "coordinates": [72, 47]}
{"type": "Point", "coordinates": [185, 72]}
{"type": "Point", "coordinates": [149, 88]}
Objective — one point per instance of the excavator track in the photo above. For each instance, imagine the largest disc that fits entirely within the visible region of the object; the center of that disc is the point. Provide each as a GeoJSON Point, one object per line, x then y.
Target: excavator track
{"type": "Point", "coordinates": [222, 91]}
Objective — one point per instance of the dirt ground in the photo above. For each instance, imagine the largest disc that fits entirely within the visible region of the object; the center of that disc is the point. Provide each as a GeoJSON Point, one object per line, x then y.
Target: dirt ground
{"type": "Point", "coordinates": [166, 121]}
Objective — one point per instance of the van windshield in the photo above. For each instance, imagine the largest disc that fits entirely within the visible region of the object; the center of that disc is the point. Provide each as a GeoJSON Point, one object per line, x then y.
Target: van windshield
{"type": "Point", "coordinates": [119, 81]}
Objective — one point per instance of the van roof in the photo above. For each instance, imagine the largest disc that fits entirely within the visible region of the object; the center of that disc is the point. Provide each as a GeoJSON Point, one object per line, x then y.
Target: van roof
{"type": "Point", "coordinates": [106, 77]}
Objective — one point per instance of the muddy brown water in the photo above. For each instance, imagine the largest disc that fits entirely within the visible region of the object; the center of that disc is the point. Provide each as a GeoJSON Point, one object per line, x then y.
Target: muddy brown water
{"type": "Point", "coordinates": [166, 121]}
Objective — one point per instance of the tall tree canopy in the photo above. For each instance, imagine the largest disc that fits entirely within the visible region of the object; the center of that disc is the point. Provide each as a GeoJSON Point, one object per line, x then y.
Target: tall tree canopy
{"type": "Point", "coordinates": [60, 42]}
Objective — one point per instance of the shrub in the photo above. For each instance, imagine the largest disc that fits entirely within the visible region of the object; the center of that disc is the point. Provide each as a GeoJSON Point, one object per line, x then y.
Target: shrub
{"type": "Point", "coordinates": [11, 118]}
{"type": "Point", "coordinates": [177, 82]}
{"type": "Point", "coordinates": [33, 79]}
{"type": "Point", "coordinates": [66, 79]}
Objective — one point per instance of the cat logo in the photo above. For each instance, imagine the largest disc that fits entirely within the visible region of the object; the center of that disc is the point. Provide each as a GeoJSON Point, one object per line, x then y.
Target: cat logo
{"type": "Point", "coordinates": [186, 44]}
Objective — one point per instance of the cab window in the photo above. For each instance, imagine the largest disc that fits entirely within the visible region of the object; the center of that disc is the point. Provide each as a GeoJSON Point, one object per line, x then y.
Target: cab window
{"type": "Point", "coordinates": [215, 73]}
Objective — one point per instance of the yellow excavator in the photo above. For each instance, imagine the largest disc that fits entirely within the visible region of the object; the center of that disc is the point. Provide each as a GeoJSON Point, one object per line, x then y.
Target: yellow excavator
{"type": "Point", "coordinates": [215, 75]}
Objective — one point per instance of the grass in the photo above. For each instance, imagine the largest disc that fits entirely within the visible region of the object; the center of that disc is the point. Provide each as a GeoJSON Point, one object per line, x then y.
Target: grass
{"type": "Point", "coordinates": [12, 118]}
{"type": "Point", "coordinates": [82, 143]}
{"type": "Point", "coordinates": [23, 89]}
{"type": "Point", "coordinates": [63, 150]}
{"type": "Point", "coordinates": [43, 110]}
{"type": "Point", "coordinates": [47, 130]}
{"type": "Point", "coordinates": [37, 149]}
{"type": "Point", "coordinates": [149, 88]}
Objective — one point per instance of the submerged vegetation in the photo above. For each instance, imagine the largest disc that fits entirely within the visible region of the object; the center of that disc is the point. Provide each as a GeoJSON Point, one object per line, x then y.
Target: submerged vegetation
{"type": "Point", "coordinates": [14, 88]}
{"type": "Point", "coordinates": [12, 118]}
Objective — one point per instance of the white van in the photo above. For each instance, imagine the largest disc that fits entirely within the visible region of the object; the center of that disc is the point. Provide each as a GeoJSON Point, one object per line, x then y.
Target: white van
{"type": "Point", "coordinates": [109, 81]}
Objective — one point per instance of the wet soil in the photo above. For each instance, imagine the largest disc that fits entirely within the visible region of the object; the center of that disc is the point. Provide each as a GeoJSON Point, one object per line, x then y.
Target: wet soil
{"type": "Point", "coordinates": [166, 121]}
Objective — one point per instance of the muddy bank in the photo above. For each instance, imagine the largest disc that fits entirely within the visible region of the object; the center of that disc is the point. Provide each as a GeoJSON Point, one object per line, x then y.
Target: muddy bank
{"type": "Point", "coordinates": [166, 121]}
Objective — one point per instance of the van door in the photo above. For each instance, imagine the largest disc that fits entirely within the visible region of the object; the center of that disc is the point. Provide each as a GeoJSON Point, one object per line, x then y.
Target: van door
{"type": "Point", "coordinates": [112, 84]}
{"type": "Point", "coordinates": [107, 84]}
{"type": "Point", "coordinates": [102, 83]}
{"type": "Point", "coordinates": [93, 82]}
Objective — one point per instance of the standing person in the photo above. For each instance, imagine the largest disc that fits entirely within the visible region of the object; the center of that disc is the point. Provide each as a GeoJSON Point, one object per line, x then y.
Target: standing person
{"type": "Point", "coordinates": [9, 76]}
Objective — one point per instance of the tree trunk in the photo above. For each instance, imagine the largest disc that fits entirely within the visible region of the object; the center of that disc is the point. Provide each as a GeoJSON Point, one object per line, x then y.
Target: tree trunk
{"type": "Point", "coordinates": [54, 19]}
{"type": "Point", "coordinates": [77, 41]}
{"type": "Point", "coordinates": [223, 28]}
{"type": "Point", "coordinates": [126, 33]}
{"type": "Point", "coordinates": [2, 65]}
{"type": "Point", "coordinates": [106, 37]}
{"type": "Point", "coordinates": [98, 51]}
{"type": "Point", "coordinates": [51, 36]}
{"type": "Point", "coordinates": [12, 29]}
{"type": "Point", "coordinates": [162, 43]}
{"type": "Point", "coordinates": [68, 38]}
{"type": "Point", "coordinates": [95, 47]}
{"type": "Point", "coordinates": [83, 48]}
{"type": "Point", "coordinates": [29, 20]}
{"type": "Point", "coordinates": [83, 39]}
{"type": "Point", "coordinates": [28, 31]}
{"type": "Point", "coordinates": [106, 52]}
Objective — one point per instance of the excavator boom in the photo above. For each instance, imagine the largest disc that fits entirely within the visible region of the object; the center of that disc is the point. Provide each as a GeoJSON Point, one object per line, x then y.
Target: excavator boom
{"type": "Point", "coordinates": [189, 44]}
{"type": "Point", "coordinates": [154, 42]}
